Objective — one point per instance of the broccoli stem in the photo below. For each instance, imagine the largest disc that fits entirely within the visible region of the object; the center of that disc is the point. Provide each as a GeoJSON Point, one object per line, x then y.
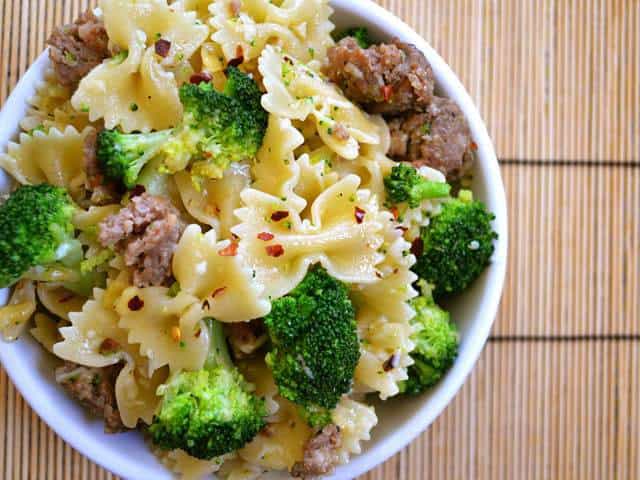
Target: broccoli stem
{"type": "Point", "coordinates": [429, 189]}
{"type": "Point", "coordinates": [218, 350]}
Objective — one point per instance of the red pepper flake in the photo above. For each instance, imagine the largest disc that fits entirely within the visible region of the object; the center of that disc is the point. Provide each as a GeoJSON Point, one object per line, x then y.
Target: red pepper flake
{"type": "Point", "coordinates": [66, 298]}
{"type": "Point", "coordinates": [198, 333]}
{"type": "Point", "coordinates": [275, 250]}
{"type": "Point", "coordinates": [387, 92]}
{"type": "Point", "coordinates": [198, 78]}
{"type": "Point", "coordinates": [137, 191]}
{"type": "Point", "coordinates": [417, 247]}
{"type": "Point", "coordinates": [394, 212]}
{"type": "Point", "coordinates": [359, 214]}
{"type": "Point", "coordinates": [108, 345]}
{"type": "Point", "coordinates": [378, 274]}
{"type": "Point", "coordinates": [474, 146]}
{"type": "Point", "coordinates": [205, 305]}
{"type": "Point", "coordinates": [230, 251]}
{"type": "Point", "coordinates": [266, 236]}
{"type": "Point", "coordinates": [267, 431]}
{"type": "Point", "coordinates": [279, 215]}
{"type": "Point", "coordinates": [163, 47]}
{"type": "Point", "coordinates": [392, 362]}
{"type": "Point", "coordinates": [288, 60]}
{"type": "Point", "coordinates": [401, 228]}
{"type": "Point", "coordinates": [135, 303]}
{"type": "Point", "coordinates": [218, 291]}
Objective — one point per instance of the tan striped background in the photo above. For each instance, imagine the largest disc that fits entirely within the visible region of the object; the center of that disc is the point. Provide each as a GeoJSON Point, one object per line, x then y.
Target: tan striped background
{"type": "Point", "coordinates": [556, 393]}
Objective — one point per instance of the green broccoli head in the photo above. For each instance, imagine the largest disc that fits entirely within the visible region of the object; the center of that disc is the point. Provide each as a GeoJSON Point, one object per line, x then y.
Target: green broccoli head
{"type": "Point", "coordinates": [209, 412]}
{"type": "Point", "coordinates": [218, 128]}
{"type": "Point", "coordinates": [123, 155]}
{"type": "Point", "coordinates": [36, 229]}
{"type": "Point", "coordinates": [458, 245]}
{"type": "Point", "coordinates": [315, 344]}
{"type": "Point", "coordinates": [405, 184]}
{"type": "Point", "coordinates": [436, 339]}
{"type": "Point", "coordinates": [360, 34]}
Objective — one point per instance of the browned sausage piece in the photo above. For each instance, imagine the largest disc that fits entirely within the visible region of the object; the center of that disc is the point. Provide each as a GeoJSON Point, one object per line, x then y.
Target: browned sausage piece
{"type": "Point", "coordinates": [387, 78]}
{"type": "Point", "coordinates": [320, 454]}
{"type": "Point", "coordinates": [439, 138]}
{"type": "Point", "coordinates": [78, 47]}
{"type": "Point", "coordinates": [147, 231]}
{"type": "Point", "coordinates": [95, 389]}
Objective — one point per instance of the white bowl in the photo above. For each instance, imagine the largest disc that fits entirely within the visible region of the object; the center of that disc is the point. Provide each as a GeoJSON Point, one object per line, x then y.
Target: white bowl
{"type": "Point", "coordinates": [400, 420]}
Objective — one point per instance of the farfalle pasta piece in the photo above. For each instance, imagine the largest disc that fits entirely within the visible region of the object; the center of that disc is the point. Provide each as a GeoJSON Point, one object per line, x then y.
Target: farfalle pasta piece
{"type": "Point", "coordinates": [217, 199]}
{"type": "Point", "coordinates": [58, 300]}
{"type": "Point", "coordinates": [45, 331]}
{"type": "Point", "coordinates": [157, 19]}
{"type": "Point", "coordinates": [383, 319]}
{"type": "Point", "coordinates": [54, 157]}
{"type": "Point", "coordinates": [167, 330]}
{"type": "Point", "coordinates": [136, 93]}
{"type": "Point", "coordinates": [344, 233]}
{"type": "Point", "coordinates": [295, 91]}
{"type": "Point", "coordinates": [301, 28]}
{"type": "Point", "coordinates": [216, 273]}
{"type": "Point", "coordinates": [50, 107]}
{"type": "Point", "coordinates": [94, 338]}
{"type": "Point", "coordinates": [314, 179]}
{"type": "Point", "coordinates": [136, 394]}
{"type": "Point", "coordinates": [355, 420]}
{"type": "Point", "coordinates": [275, 169]}
{"type": "Point", "coordinates": [187, 467]}
{"type": "Point", "coordinates": [15, 315]}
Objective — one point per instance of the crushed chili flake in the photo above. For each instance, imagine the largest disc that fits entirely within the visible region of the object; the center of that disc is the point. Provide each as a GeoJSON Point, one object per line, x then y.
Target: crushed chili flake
{"type": "Point", "coordinates": [394, 212]}
{"type": "Point", "coordinates": [205, 305]}
{"type": "Point", "coordinates": [137, 191]}
{"type": "Point", "coordinates": [474, 146]}
{"type": "Point", "coordinates": [162, 47]}
{"type": "Point", "coordinates": [359, 214]}
{"type": "Point", "coordinates": [417, 247]}
{"type": "Point", "coordinates": [66, 298]}
{"type": "Point", "coordinates": [200, 77]}
{"type": "Point", "coordinates": [279, 215]}
{"type": "Point", "coordinates": [108, 345]}
{"type": "Point", "coordinates": [229, 251]}
{"type": "Point", "coordinates": [288, 60]}
{"type": "Point", "coordinates": [198, 333]}
{"type": "Point", "coordinates": [239, 60]}
{"type": "Point", "coordinates": [378, 274]}
{"type": "Point", "coordinates": [267, 431]}
{"type": "Point", "coordinates": [387, 92]}
{"type": "Point", "coordinates": [135, 303]}
{"type": "Point", "coordinates": [218, 291]}
{"type": "Point", "coordinates": [401, 228]}
{"type": "Point", "coordinates": [266, 236]}
{"type": "Point", "coordinates": [392, 362]}
{"type": "Point", "coordinates": [275, 250]}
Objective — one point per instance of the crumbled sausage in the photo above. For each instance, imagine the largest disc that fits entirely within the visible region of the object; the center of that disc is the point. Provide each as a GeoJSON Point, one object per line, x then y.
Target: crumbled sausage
{"type": "Point", "coordinates": [320, 454]}
{"type": "Point", "coordinates": [388, 78]}
{"type": "Point", "coordinates": [102, 193]}
{"type": "Point", "coordinates": [78, 47]}
{"type": "Point", "coordinates": [439, 138]}
{"type": "Point", "coordinates": [95, 389]}
{"type": "Point", "coordinates": [147, 231]}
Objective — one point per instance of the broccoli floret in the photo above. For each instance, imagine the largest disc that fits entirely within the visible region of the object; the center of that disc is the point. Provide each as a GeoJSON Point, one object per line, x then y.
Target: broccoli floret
{"type": "Point", "coordinates": [38, 242]}
{"type": "Point", "coordinates": [436, 339]}
{"type": "Point", "coordinates": [458, 245]}
{"type": "Point", "coordinates": [123, 155]}
{"type": "Point", "coordinates": [315, 344]}
{"type": "Point", "coordinates": [361, 35]}
{"type": "Point", "coordinates": [211, 411]}
{"type": "Point", "coordinates": [218, 128]}
{"type": "Point", "coordinates": [405, 184]}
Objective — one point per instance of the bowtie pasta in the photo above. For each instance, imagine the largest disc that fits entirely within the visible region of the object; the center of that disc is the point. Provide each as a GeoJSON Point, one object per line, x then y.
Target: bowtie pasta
{"type": "Point", "coordinates": [224, 242]}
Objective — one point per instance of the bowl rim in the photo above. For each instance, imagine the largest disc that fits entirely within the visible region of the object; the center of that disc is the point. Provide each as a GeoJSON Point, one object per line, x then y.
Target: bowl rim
{"type": "Point", "coordinates": [475, 339]}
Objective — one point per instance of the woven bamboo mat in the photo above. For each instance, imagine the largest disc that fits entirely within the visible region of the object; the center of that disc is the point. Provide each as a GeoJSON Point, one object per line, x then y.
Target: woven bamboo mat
{"type": "Point", "coordinates": [556, 393]}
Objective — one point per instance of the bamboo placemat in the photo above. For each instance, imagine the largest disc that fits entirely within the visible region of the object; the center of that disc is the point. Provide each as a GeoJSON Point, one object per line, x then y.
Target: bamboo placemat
{"type": "Point", "coordinates": [556, 393]}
